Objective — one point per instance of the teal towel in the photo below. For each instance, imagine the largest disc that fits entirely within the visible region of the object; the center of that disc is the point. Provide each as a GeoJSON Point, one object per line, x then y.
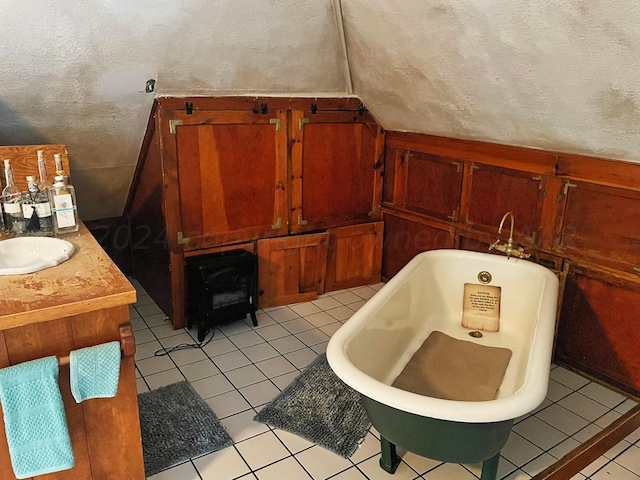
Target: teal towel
{"type": "Point", "coordinates": [95, 371]}
{"type": "Point", "coordinates": [34, 418]}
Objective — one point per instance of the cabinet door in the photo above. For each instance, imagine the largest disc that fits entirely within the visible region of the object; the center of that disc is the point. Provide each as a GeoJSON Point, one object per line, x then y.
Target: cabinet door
{"type": "Point", "coordinates": [291, 269]}
{"type": "Point", "coordinates": [490, 192]}
{"type": "Point", "coordinates": [602, 223]}
{"type": "Point", "coordinates": [599, 326]}
{"type": "Point", "coordinates": [427, 184]}
{"type": "Point", "coordinates": [406, 236]}
{"type": "Point", "coordinates": [232, 176]}
{"type": "Point", "coordinates": [336, 162]}
{"type": "Point", "coordinates": [355, 256]}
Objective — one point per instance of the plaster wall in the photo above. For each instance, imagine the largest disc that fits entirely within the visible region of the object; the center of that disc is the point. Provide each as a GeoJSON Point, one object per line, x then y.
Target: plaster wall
{"type": "Point", "coordinates": [558, 75]}
{"type": "Point", "coordinates": [74, 72]}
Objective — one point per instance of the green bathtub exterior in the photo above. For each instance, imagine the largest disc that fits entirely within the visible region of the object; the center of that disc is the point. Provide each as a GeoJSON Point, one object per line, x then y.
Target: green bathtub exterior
{"type": "Point", "coordinates": [442, 440]}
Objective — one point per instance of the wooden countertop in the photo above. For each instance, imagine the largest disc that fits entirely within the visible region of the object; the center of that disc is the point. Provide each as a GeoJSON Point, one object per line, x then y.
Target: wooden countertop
{"type": "Point", "coordinates": [88, 281]}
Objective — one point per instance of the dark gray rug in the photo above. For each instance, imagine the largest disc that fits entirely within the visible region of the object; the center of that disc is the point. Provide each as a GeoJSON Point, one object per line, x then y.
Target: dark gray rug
{"type": "Point", "coordinates": [321, 408]}
{"type": "Point", "coordinates": [177, 424]}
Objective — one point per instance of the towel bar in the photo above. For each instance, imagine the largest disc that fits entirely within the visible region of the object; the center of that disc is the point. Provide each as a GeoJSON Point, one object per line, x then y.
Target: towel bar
{"type": "Point", "coordinates": [127, 343]}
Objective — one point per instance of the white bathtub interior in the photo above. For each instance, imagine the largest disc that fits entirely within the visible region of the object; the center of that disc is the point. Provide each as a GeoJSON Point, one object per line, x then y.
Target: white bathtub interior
{"type": "Point", "coordinates": [429, 297]}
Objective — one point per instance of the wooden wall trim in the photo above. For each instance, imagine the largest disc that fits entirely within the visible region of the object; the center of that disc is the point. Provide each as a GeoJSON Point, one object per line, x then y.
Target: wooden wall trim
{"type": "Point", "coordinates": [602, 171]}
{"type": "Point", "coordinates": [255, 103]}
{"type": "Point", "coordinates": [508, 156]}
{"type": "Point", "coordinates": [586, 453]}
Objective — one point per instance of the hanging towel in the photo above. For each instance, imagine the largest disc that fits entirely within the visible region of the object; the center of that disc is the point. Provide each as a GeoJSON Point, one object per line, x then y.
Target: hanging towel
{"type": "Point", "coordinates": [34, 418]}
{"type": "Point", "coordinates": [95, 371]}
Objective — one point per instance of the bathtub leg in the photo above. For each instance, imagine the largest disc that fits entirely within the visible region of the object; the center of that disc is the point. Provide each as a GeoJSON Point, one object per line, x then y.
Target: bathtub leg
{"type": "Point", "coordinates": [490, 468]}
{"type": "Point", "coordinates": [389, 460]}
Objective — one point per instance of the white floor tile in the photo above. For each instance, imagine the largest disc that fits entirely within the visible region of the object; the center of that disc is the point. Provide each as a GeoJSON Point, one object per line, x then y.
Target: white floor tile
{"type": "Point", "coordinates": [162, 379]}
{"type": "Point", "coordinates": [373, 471]}
{"type": "Point", "coordinates": [227, 404]}
{"type": "Point", "coordinates": [226, 464]}
{"type": "Point", "coordinates": [243, 368]}
{"type": "Point", "coordinates": [231, 361]}
{"type": "Point", "coordinates": [212, 386]}
{"type": "Point", "coordinates": [562, 419]}
{"type": "Point", "coordinates": [262, 450]}
{"type": "Point", "coordinates": [241, 426]}
{"type": "Point", "coordinates": [243, 376]}
{"type": "Point", "coordinates": [199, 370]}
{"type": "Point", "coordinates": [260, 393]}
{"type": "Point", "coordinates": [287, 468]}
{"type": "Point", "coordinates": [274, 367]}
{"type": "Point", "coordinates": [185, 471]}
{"type": "Point", "coordinates": [321, 463]}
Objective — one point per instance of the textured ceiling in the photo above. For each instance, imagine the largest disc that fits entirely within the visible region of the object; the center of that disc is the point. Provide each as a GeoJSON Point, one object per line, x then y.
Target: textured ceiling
{"type": "Point", "coordinates": [559, 75]}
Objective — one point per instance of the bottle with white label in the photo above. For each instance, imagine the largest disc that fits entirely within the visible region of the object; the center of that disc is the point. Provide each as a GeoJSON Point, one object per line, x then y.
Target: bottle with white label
{"type": "Point", "coordinates": [36, 209]}
{"type": "Point", "coordinates": [12, 203]}
{"type": "Point", "coordinates": [63, 207]}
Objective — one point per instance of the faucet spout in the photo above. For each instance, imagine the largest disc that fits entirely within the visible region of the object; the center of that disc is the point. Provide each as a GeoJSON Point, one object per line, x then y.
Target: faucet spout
{"type": "Point", "coordinates": [504, 217]}
{"type": "Point", "coordinates": [508, 247]}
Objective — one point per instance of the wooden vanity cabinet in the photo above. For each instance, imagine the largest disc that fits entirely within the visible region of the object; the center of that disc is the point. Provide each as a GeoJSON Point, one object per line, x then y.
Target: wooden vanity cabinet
{"type": "Point", "coordinates": [599, 327]}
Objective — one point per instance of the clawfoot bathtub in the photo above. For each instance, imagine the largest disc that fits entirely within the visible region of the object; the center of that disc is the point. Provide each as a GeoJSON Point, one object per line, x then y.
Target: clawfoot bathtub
{"type": "Point", "coordinates": [370, 350]}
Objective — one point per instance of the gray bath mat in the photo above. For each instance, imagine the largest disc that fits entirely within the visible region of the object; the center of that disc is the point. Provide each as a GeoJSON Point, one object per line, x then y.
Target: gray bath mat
{"type": "Point", "coordinates": [176, 425]}
{"type": "Point", "coordinates": [321, 408]}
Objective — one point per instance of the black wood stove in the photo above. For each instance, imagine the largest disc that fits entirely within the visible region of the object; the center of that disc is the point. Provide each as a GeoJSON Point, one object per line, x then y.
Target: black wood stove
{"type": "Point", "coordinates": [221, 287]}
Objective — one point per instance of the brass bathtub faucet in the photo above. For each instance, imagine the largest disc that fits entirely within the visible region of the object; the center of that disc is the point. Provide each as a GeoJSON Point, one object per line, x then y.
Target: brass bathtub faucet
{"type": "Point", "coordinates": [508, 247]}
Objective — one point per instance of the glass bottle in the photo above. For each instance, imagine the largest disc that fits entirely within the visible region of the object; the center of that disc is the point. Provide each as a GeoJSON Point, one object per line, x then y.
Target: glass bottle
{"type": "Point", "coordinates": [60, 169]}
{"type": "Point", "coordinates": [44, 185]}
{"type": "Point", "coordinates": [63, 206]}
{"type": "Point", "coordinates": [12, 203]}
{"type": "Point", "coordinates": [37, 209]}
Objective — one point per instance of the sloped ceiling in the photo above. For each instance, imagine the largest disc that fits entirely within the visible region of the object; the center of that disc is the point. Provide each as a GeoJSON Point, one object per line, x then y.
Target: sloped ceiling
{"type": "Point", "coordinates": [558, 75]}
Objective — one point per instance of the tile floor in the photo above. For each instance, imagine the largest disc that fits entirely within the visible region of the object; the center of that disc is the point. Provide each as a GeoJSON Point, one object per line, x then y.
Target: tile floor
{"type": "Point", "coordinates": [243, 368]}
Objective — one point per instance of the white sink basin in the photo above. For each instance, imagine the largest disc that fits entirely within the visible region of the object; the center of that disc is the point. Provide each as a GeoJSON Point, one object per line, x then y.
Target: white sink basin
{"type": "Point", "coordinates": [30, 254]}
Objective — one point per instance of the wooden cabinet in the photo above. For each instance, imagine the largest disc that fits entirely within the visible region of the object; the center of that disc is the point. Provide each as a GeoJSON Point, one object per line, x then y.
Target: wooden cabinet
{"type": "Point", "coordinates": [492, 191]}
{"type": "Point", "coordinates": [599, 223]}
{"type": "Point", "coordinates": [232, 176]}
{"type": "Point", "coordinates": [221, 171]}
{"type": "Point", "coordinates": [354, 256]}
{"type": "Point", "coordinates": [335, 169]}
{"type": "Point", "coordinates": [405, 236]}
{"type": "Point", "coordinates": [424, 183]}
{"type": "Point", "coordinates": [291, 269]}
{"type": "Point", "coordinates": [599, 326]}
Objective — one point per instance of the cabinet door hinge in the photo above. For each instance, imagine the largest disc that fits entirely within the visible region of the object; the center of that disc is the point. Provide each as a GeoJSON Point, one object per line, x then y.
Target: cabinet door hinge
{"type": "Point", "coordinates": [278, 224]}
{"type": "Point", "coordinates": [276, 122]}
{"type": "Point", "coordinates": [569, 185]}
{"type": "Point", "coordinates": [302, 122]}
{"type": "Point", "coordinates": [301, 221]}
{"type": "Point", "coordinates": [182, 239]}
{"type": "Point", "coordinates": [173, 124]}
